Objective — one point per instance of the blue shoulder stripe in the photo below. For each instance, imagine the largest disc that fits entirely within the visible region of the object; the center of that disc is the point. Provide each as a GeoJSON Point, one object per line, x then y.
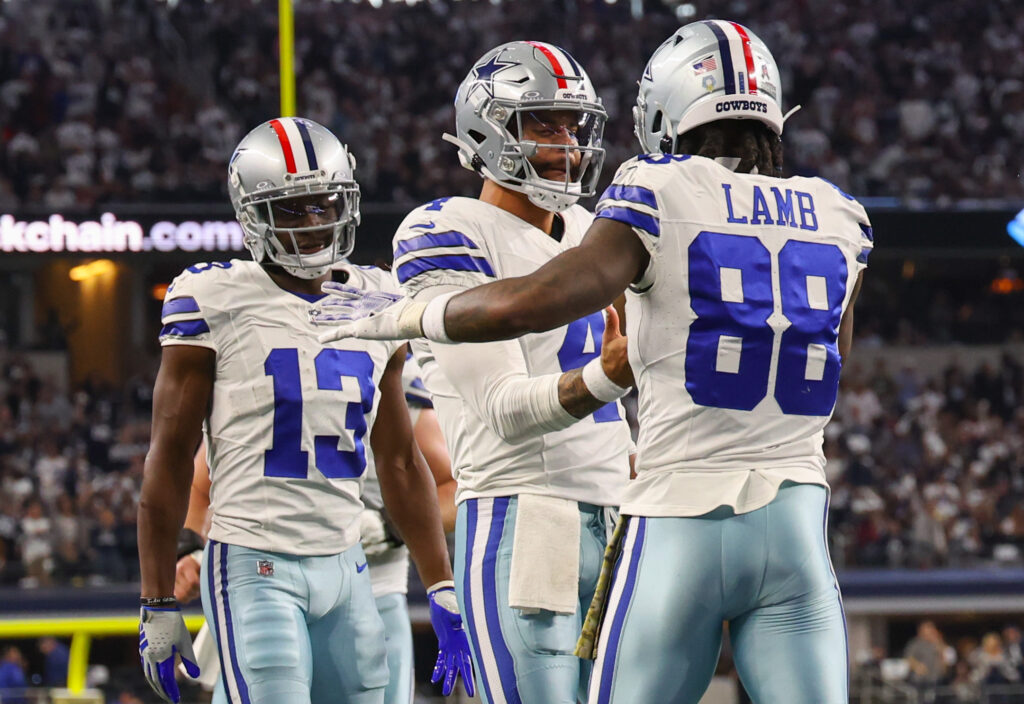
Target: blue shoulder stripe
{"type": "Point", "coordinates": [635, 194]}
{"type": "Point", "coordinates": [174, 306]}
{"type": "Point", "coordinates": [418, 401]}
{"type": "Point", "coordinates": [863, 256]}
{"type": "Point", "coordinates": [417, 394]}
{"type": "Point", "coordinates": [867, 232]}
{"type": "Point", "coordinates": [633, 218]}
{"type": "Point", "coordinates": [843, 193]}
{"type": "Point", "coordinates": [450, 238]}
{"type": "Point", "coordinates": [460, 262]}
{"type": "Point", "coordinates": [185, 328]}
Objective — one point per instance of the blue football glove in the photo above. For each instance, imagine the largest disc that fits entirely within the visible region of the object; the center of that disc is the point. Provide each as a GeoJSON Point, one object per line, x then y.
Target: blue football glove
{"type": "Point", "coordinates": [453, 658]}
{"type": "Point", "coordinates": [162, 635]}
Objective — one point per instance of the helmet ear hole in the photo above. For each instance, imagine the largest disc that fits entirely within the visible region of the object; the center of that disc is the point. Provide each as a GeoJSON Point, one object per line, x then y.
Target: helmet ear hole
{"type": "Point", "coordinates": [656, 126]}
{"type": "Point", "coordinates": [476, 136]}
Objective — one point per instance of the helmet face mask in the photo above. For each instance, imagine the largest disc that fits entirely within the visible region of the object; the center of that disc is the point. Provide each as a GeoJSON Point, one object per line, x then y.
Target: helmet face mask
{"type": "Point", "coordinates": [284, 211]}
{"type": "Point", "coordinates": [511, 89]}
{"type": "Point", "coordinates": [706, 71]}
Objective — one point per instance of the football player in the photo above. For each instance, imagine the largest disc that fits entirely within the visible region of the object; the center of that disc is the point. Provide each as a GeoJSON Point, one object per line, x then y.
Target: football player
{"type": "Point", "coordinates": [741, 286]}
{"type": "Point", "coordinates": [286, 422]}
{"type": "Point", "coordinates": [386, 554]}
{"type": "Point", "coordinates": [538, 455]}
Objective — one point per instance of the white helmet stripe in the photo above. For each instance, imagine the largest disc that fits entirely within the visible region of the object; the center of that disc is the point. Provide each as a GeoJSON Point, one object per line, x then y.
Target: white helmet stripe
{"type": "Point", "coordinates": [569, 65]}
{"type": "Point", "coordinates": [296, 143]}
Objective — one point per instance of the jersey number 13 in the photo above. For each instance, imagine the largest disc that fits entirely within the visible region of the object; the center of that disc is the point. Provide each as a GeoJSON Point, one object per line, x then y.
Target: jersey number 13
{"type": "Point", "coordinates": [286, 458]}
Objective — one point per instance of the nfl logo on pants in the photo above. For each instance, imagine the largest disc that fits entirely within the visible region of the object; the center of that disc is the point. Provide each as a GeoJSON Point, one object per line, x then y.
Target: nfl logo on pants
{"type": "Point", "coordinates": [265, 568]}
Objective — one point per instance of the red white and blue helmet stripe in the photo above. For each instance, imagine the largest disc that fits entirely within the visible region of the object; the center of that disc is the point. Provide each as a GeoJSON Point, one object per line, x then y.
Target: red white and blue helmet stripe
{"type": "Point", "coordinates": [737, 60]}
{"type": "Point", "coordinates": [560, 61]}
{"type": "Point", "coordinates": [296, 145]}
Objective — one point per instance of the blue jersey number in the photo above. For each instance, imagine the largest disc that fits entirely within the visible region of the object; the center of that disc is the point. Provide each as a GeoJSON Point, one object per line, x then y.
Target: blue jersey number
{"type": "Point", "coordinates": [729, 350]}
{"type": "Point", "coordinates": [286, 458]}
{"type": "Point", "coordinates": [583, 343]}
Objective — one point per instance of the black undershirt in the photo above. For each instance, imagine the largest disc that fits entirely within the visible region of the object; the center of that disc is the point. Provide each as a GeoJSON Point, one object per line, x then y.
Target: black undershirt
{"type": "Point", "coordinates": [557, 228]}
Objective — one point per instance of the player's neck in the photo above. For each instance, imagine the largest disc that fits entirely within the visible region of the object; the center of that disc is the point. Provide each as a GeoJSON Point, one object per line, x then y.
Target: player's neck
{"type": "Point", "coordinates": [518, 204]}
{"type": "Point", "coordinates": [308, 287]}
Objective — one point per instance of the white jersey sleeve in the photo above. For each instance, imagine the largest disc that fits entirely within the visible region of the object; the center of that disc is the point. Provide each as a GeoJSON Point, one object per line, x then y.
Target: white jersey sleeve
{"type": "Point", "coordinates": [431, 250]}
{"type": "Point", "coordinates": [191, 310]}
{"type": "Point", "coordinates": [632, 198]}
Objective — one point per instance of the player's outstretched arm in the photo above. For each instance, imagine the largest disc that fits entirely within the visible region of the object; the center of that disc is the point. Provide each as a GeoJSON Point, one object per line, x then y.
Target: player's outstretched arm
{"type": "Point", "coordinates": [576, 283]}
{"type": "Point", "coordinates": [181, 397]}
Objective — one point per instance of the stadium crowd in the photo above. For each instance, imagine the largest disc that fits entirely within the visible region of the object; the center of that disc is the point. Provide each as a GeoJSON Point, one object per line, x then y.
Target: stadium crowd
{"type": "Point", "coordinates": [927, 470]}
{"type": "Point", "coordinates": [142, 101]}
{"type": "Point", "coordinates": [955, 666]}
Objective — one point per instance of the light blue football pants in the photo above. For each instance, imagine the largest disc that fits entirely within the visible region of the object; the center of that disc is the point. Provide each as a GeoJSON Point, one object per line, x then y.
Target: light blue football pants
{"type": "Point", "coordinates": [520, 658]}
{"type": "Point", "coordinates": [767, 573]}
{"type": "Point", "coordinates": [292, 629]}
{"type": "Point", "coordinates": [394, 610]}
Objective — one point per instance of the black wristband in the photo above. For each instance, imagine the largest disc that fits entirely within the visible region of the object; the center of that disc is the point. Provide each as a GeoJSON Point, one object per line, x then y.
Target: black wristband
{"type": "Point", "coordinates": [158, 601]}
{"type": "Point", "coordinates": [188, 542]}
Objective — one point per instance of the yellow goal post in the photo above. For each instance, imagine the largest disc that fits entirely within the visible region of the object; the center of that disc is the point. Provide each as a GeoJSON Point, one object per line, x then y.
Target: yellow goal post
{"type": "Point", "coordinates": [81, 629]}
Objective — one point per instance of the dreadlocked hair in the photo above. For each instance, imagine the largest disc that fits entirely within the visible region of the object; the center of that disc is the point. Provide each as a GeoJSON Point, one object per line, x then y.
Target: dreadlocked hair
{"type": "Point", "coordinates": [751, 141]}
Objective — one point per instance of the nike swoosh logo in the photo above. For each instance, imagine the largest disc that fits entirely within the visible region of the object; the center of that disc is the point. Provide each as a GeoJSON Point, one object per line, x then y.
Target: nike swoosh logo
{"type": "Point", "coordinates": [425, 226]}
{"type": "Point", "coordinates": [360, 568]}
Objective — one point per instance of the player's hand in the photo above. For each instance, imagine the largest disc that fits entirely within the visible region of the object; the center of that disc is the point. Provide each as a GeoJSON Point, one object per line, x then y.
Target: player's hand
{"type": "Point", "coordinates": [614, 351]}
{"type": "Point", "coordinates": [186, 579]}
{"type": "Point", "coordinates": [369, 315]}
{"type": "Point", "coordinates": [373, 534]}
{"type": "Point", "coordinates": [453, 658]}
{"type": "Point", "coordinates": [162, 635]}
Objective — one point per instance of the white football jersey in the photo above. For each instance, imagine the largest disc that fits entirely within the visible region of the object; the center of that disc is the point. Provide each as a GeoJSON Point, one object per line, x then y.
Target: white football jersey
{"type": "Point", "coordinates": [733, 328]}
{"type": "Point", "coordinates": [288, 432]}
{"type": "Point", "coordinates": [463, 242]}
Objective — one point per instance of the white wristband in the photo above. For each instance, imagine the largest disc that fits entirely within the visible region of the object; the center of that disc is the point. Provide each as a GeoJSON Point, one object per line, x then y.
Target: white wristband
{"type": "Point", "coordinates": [433, 318]}
{"type": "Point", "coordinates": [599, 385]}
{"type": "Point", "coordinates": [443, 584]}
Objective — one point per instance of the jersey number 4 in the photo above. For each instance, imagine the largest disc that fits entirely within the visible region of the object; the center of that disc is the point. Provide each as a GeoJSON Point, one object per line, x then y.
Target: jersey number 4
{"type": "Point", "coordinates": [583, 343]}
{"type": "Point", "coordinates": [286, 458]}
{"type": "Point", "coordinates": [731, 343]}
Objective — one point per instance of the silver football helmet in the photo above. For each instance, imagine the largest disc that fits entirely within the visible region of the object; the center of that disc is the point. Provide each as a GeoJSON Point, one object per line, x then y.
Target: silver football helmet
{"type": "Point", "coordinates": [285, 159]}
{"type": "Point", "coordinates": [706, 71]}
{"type": "Point", "coordinates": [502, 90]}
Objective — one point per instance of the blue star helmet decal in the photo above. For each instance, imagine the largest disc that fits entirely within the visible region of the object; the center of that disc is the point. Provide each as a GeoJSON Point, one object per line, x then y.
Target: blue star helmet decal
{"type": "Point", "coordinates": [484, 73]}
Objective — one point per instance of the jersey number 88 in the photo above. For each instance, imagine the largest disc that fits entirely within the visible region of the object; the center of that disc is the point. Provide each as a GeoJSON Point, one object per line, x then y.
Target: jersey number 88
{"type": "Point", "coordinates": [731, 343]}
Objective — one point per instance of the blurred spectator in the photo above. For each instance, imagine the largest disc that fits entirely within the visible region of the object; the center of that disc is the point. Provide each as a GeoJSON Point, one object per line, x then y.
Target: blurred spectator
{"type": "Point", "coordinates": [1012, 645]}
{"type": "Point", "coordinates": [36, 545]}
{"type": "Point", "coordinates": [991, 664]}
{"type": "Point", "coordinates": [55, 662]}
{"type": "Point", "coordinates": [12, 676]}
{"type": "Point", "coordinates": [108, 556]}
{"type": "Point", "coordinates": [926, 657]}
